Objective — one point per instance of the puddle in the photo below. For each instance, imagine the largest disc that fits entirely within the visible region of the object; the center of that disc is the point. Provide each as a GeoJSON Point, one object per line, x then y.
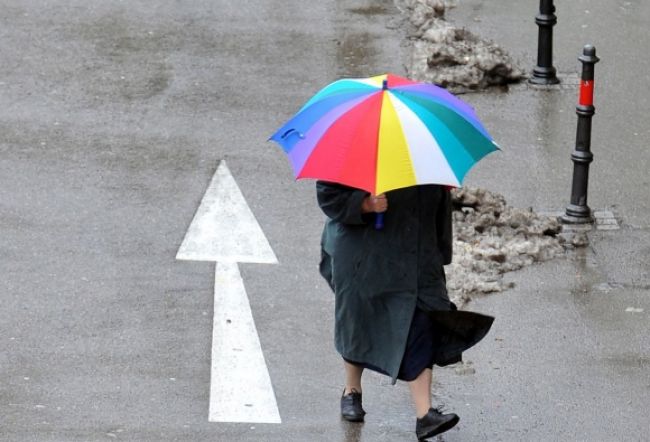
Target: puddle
{"type": "Point", "coordinates": [355, 55]}
{"type": "Point", "coordinates": [352, 431]}
{"type": "Point", "coordinates": [369, 11]}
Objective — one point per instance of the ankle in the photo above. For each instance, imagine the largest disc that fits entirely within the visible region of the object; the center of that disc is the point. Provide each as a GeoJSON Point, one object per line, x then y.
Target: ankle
{"type": "Point", "coordinates": [349, 390]}
{"type": "Point", "coordinates": [421, 412]}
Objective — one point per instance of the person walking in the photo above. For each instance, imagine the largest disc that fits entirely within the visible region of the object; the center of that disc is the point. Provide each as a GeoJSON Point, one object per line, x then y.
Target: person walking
{"type": "Point", "coordinates": [392, 311]}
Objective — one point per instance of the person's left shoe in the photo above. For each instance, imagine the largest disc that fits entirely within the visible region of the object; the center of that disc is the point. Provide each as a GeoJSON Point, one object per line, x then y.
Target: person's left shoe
{"type": "Point", "coordinates": [351, 407]}
{"type": "Point", "coordinates": [434, 422]}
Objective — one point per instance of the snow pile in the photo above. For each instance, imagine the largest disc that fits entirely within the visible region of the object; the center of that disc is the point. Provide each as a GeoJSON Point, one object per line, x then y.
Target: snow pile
{"type": "Point", "coordinates": [422, 13]}
{"type": "Point", "coordinates": [491, 239]}
{"type": "Point", "coordinates": [453, 57]}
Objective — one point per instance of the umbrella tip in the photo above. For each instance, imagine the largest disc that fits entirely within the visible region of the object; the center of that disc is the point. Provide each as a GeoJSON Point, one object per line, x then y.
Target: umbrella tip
{"type": "Point", "coordinates": [384, 85]}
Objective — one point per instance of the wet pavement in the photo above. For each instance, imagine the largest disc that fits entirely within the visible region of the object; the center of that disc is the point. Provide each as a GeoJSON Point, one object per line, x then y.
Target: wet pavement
{"type": "Point", "coordinates": [113, 117]}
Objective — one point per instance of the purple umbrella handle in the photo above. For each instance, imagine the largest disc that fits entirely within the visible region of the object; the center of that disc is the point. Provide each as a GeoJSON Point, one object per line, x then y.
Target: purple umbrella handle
{"type": "Point", "coordinates": [379, 220]}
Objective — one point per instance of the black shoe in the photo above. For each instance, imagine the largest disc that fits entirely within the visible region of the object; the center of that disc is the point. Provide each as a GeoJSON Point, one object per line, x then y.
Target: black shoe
{"type": "Point", "coordinates": [434, 422]}
{"type": "Point", "coordinates": [351, 409]}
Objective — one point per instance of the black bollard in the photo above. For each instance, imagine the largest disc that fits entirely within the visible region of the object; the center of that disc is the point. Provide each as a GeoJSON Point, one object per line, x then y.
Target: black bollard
{"type": "Point", "coordinates": [544, 72]}
{"type": "Point", "coordinates": [578, 212]}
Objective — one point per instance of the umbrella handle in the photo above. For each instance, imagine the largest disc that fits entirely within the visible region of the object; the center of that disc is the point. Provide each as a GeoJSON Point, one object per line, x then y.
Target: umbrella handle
{"type": "Point", "coordinates": [379, 220]}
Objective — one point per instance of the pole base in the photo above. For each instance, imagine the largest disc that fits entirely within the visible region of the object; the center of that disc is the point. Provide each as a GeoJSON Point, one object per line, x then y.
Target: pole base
{"type": "Point", "coordinates": [544, 76]}
{"type": "Point", "coordinates": [577, 215]}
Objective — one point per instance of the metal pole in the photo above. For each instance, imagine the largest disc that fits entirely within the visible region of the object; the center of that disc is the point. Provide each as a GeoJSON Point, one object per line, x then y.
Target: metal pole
{"type": "Point", "coordinates": [578, 212]}
{"type": "Point", "coordinates": [544, 72]}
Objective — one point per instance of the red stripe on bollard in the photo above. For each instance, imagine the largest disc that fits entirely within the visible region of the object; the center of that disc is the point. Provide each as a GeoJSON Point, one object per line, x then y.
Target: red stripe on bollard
{"type": "Point", "coordinates": [586, 93]}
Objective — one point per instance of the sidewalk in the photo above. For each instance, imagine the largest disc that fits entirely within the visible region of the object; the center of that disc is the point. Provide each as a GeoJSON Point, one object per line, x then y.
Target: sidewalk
{"type": "Point", "coordinates": [569, 355]}
{"type": "Point", "coordinates": [564, 360]}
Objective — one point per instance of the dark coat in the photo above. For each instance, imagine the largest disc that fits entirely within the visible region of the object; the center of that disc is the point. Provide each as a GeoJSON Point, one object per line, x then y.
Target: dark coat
{"type": "Point", "coordinates": [379, 276]}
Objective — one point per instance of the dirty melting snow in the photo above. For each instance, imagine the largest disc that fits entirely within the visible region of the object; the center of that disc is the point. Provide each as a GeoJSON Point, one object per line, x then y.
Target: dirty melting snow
{"type": "Point", "coordinates": [491, 238]}
{"type": "Point", "coordinates": [450, 56]}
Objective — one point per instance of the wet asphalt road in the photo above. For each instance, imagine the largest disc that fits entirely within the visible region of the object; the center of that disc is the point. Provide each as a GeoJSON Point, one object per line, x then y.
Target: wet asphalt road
{"type": "Point", "coordinates": [113, 117]}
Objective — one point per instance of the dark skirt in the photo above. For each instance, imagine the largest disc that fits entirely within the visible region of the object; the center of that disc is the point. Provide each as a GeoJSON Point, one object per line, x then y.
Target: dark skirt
{"type": "Point", "coordinates": [437, 338]}
{"type": "Point", "coordinates": [419, 353]}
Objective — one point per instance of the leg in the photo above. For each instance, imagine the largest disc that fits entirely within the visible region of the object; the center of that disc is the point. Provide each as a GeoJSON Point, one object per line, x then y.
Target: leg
{"type": "Point", "coordinates": [352, 378]}
{"type": "Point", "coordinates": [430, 421]}
{"type": "Point", "coordinates": [421, 392]}
{"type": "Point", "coordinates": [351, 402]}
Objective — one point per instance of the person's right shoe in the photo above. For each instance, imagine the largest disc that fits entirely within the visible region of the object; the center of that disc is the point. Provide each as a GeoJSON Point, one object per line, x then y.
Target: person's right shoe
{"type": "Point", "coordinates": [351, 408]}
{"type": "Point", "coordinates": [434, 422]}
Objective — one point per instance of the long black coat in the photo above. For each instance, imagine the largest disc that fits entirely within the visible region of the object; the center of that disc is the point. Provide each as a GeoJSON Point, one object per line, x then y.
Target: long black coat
{"type": "Point", "coordinates": [379, 276]}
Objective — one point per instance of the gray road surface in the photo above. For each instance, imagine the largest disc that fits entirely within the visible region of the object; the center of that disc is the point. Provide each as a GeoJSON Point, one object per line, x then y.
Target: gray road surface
{"type": "Point", "coordinates": [113, 117]}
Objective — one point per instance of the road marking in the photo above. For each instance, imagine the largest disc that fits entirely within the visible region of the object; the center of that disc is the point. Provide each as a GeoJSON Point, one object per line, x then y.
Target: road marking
{"type": "Point", "coordinates": [239, 372]}
{"type": "Point", "coordinates": [225, 230]}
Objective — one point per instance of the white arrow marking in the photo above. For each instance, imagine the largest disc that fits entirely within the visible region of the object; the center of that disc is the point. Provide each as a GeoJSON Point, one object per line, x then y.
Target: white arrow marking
{"type": "Point", "coordinates": [225, 230]}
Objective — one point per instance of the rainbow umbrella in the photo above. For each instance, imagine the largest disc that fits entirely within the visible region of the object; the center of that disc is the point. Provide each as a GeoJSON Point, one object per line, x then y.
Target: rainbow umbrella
{"type": "Point", "coordinates": [383, 133]}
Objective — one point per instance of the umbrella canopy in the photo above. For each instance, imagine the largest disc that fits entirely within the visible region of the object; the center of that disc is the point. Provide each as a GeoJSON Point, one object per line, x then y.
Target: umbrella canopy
{"type": "Point", "coordinates": [383, 133]}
